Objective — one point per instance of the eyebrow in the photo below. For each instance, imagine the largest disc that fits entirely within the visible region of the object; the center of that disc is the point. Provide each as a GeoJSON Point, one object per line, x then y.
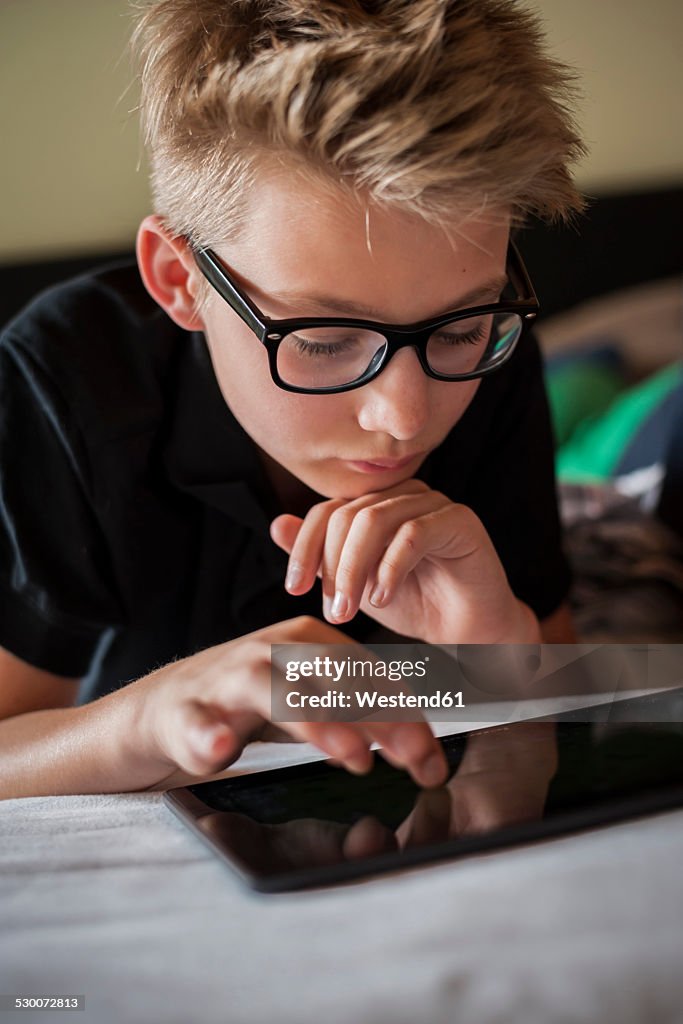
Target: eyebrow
{"type": "Point", "coordinates": [333, 304]}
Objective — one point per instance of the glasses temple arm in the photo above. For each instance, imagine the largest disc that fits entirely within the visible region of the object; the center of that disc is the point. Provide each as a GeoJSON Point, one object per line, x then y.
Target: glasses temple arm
{"type": "Point", "coordinates": [215, 275]}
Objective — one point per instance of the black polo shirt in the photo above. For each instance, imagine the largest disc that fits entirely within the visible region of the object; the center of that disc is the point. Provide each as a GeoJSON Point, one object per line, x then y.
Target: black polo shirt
{"type": "Point", "coordinates": [134, 510]}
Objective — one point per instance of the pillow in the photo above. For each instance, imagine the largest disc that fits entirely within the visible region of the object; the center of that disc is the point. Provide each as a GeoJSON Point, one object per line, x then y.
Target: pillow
{"type": "Point", "coordinates": [581, 383]}
{"type": "Point", "coordinates": [631, 432]}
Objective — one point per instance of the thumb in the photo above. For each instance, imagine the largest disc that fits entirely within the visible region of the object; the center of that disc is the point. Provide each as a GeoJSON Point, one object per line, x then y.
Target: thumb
{"type": "Point", "coordinates": [284, 530]}
{"type": "Point", "coordinates": [206, 742]}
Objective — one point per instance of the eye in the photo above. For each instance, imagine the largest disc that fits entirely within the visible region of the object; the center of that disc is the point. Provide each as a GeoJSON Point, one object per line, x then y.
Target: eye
{"type": "Point", "coordinates": [338, 340]}
{"type": "Point", "coordinates": [473, 336]}
{"type": "Point", "coordinates": [316, 347]}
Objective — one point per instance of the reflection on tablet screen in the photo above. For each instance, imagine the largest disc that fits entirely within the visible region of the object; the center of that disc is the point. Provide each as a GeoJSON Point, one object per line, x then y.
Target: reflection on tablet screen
{"type": "Point", "coordinates": [514, 781]}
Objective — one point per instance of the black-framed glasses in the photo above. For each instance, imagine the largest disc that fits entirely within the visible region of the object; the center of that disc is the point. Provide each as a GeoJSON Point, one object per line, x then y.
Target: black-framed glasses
{"type": "Point", "coordinates": [326, 355]}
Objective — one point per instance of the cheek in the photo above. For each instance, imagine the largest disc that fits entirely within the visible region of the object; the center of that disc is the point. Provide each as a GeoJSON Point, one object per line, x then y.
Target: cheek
{"type": "Point", "coordinates": [240, 363]}
{"type": "Point", "coordinates": [237, 355]}
{"type": "Point", "coordinates": [282, 423]}
{"type": "Point", "coordinates": [451, 402]}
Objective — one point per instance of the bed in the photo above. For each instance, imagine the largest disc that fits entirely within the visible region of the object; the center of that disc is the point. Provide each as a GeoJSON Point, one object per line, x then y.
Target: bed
{"type": "Point", "coordinates": [112, 898]}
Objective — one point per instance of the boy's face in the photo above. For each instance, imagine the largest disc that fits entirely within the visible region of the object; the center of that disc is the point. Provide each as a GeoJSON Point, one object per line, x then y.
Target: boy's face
{"type": "Point", "coordinates": [302, 244]}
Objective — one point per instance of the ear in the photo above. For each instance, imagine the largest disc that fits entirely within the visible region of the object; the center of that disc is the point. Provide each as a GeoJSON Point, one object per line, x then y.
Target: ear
{"type": "Point", "coordinates": [168, 271]}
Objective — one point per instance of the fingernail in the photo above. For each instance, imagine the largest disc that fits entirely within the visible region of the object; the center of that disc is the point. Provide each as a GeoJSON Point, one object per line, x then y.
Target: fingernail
{"type": "Point", "coordinates": [378, 596]}
{"type": "Point", "coordinates": [295, 575]}
{"type": "Point", "coordinates": [340, 605]}
{"type": "Point", "coordinates": [432, 772]}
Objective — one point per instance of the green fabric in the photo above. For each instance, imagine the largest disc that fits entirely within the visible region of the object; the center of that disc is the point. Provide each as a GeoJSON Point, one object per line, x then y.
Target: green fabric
{"type": "Point", "coordinates": [578, 390]}
{"type": "Point", "coordinates": [597, 444]}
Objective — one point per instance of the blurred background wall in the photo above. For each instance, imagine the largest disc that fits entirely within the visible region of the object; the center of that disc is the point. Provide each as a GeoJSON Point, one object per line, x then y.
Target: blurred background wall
{"type": "Point", "coordinates": [72, 176]}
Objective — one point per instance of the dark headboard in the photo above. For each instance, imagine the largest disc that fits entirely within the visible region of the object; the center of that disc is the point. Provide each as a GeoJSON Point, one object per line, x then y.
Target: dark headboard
{"type": "Point", "coordinates": [622, 240]}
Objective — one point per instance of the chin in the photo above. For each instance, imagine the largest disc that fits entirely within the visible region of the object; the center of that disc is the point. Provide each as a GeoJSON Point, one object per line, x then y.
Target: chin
{"type": "Point", "coordinates": [343, 489]}
{"type": "Point", "coordinates": [356, 486]}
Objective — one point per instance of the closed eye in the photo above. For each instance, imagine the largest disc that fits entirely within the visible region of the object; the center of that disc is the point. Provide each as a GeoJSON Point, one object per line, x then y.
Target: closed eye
{"type": "Point", "coordinates": [471, 337]}
{"type": "Point", "coordinates": [323, 348]}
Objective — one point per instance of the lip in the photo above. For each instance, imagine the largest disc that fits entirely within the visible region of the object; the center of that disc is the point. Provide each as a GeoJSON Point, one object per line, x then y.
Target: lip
{"type": "Point", "coordinates": [382, 465]}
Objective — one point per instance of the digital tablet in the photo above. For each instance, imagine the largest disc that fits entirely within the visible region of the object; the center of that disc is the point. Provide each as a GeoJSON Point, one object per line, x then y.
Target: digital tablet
{"type": "Point", "coordinates": [314, 824]}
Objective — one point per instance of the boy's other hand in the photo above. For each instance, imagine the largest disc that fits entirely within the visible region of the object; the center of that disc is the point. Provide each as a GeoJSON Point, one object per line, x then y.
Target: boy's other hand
{"type": "Point", "coordinates": [410, 558]}
{"type": "Point", "coordinates": [196, 716]}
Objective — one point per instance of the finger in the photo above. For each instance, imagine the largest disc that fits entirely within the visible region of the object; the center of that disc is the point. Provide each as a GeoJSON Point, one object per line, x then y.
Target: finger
{"type": "Point", "coordinates": [444, 532]}
{"type": "Point", "coordinates": [250, 692]}
{"type": "Point", "coordinates": [283, 530]}
{"type": "Point", "coordinates": [429, 821]}
{"type": "Point", "coordinates": [291, 843]}
{"type": "Point", "coordinates": [336, 606]}
{"type": "Point", "coordinates": [307, 840]}
{"type": "Point", "coordinates": [307, 548]}
{"type": "Point", "coordinates": [354, 550]}
{"type": "Point", "coordinates": [304, 540]}
{"type": "Point", "coordinates": [367, 838]}
{"type": "Point", "coordinates": [204, 742]}
{"type": "Point", "coordinates": [412, 746]}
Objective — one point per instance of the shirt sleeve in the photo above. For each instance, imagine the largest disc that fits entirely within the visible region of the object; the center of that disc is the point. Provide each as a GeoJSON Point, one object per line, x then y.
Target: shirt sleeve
{"type": "Point", "coordinates": [58, 605]}
{"type": "Point", "coordinates": [514, 490]}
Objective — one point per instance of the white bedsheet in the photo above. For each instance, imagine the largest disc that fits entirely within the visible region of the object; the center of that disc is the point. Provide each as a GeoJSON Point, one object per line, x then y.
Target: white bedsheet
{"type": "Point", "coordinates": [112, 897]}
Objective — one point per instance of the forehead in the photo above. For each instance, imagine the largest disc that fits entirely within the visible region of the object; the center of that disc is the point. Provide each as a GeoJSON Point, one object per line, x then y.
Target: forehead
{"type": "Point", "coordinates": [315, 249]}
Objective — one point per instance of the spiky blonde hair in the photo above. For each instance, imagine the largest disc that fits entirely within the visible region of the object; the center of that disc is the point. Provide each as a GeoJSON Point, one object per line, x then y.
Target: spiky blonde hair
{"type": "Point", "coordinates": [440, 107]}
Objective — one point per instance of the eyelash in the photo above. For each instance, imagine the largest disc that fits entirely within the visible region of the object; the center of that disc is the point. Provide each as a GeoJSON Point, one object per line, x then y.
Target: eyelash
{"type": "Point", "coordinates": [471, 338]}
{"type": "Point", "coordinates": [316, 348]}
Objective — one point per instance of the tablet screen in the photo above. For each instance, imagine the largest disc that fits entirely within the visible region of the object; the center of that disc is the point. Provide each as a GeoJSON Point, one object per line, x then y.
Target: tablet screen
{"type": "Point", "coordinates": [312, 824]}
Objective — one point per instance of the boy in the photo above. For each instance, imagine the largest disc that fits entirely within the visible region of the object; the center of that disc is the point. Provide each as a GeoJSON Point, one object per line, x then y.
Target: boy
{"type": "Point", "coordinates": [179, 464]}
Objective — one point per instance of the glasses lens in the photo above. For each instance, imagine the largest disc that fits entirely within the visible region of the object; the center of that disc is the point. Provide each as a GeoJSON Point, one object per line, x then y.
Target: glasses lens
{"type": "Point", "coordinates": [476, 343]}
{"type": "Point", "coordinates": [328, 357]}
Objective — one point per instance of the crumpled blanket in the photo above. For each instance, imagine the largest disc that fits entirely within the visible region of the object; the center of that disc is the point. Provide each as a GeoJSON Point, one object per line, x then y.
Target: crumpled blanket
{"type": "Point", "coordinates": [628, 566]}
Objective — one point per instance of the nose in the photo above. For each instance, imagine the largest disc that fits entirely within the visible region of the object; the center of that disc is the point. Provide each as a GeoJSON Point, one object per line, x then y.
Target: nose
{"type": "Point", "coordinates": [397, 401]}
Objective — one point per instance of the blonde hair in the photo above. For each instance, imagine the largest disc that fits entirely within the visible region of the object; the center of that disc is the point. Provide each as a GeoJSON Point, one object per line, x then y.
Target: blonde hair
{"type": "Point", "coordinates": [439, 107]}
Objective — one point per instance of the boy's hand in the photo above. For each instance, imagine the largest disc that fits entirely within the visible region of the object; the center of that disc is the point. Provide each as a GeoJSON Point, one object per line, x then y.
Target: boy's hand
{"type": "Point", "coordinates": [411, 559]}
{"type": "Point", "coordinates": [195, 716]}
